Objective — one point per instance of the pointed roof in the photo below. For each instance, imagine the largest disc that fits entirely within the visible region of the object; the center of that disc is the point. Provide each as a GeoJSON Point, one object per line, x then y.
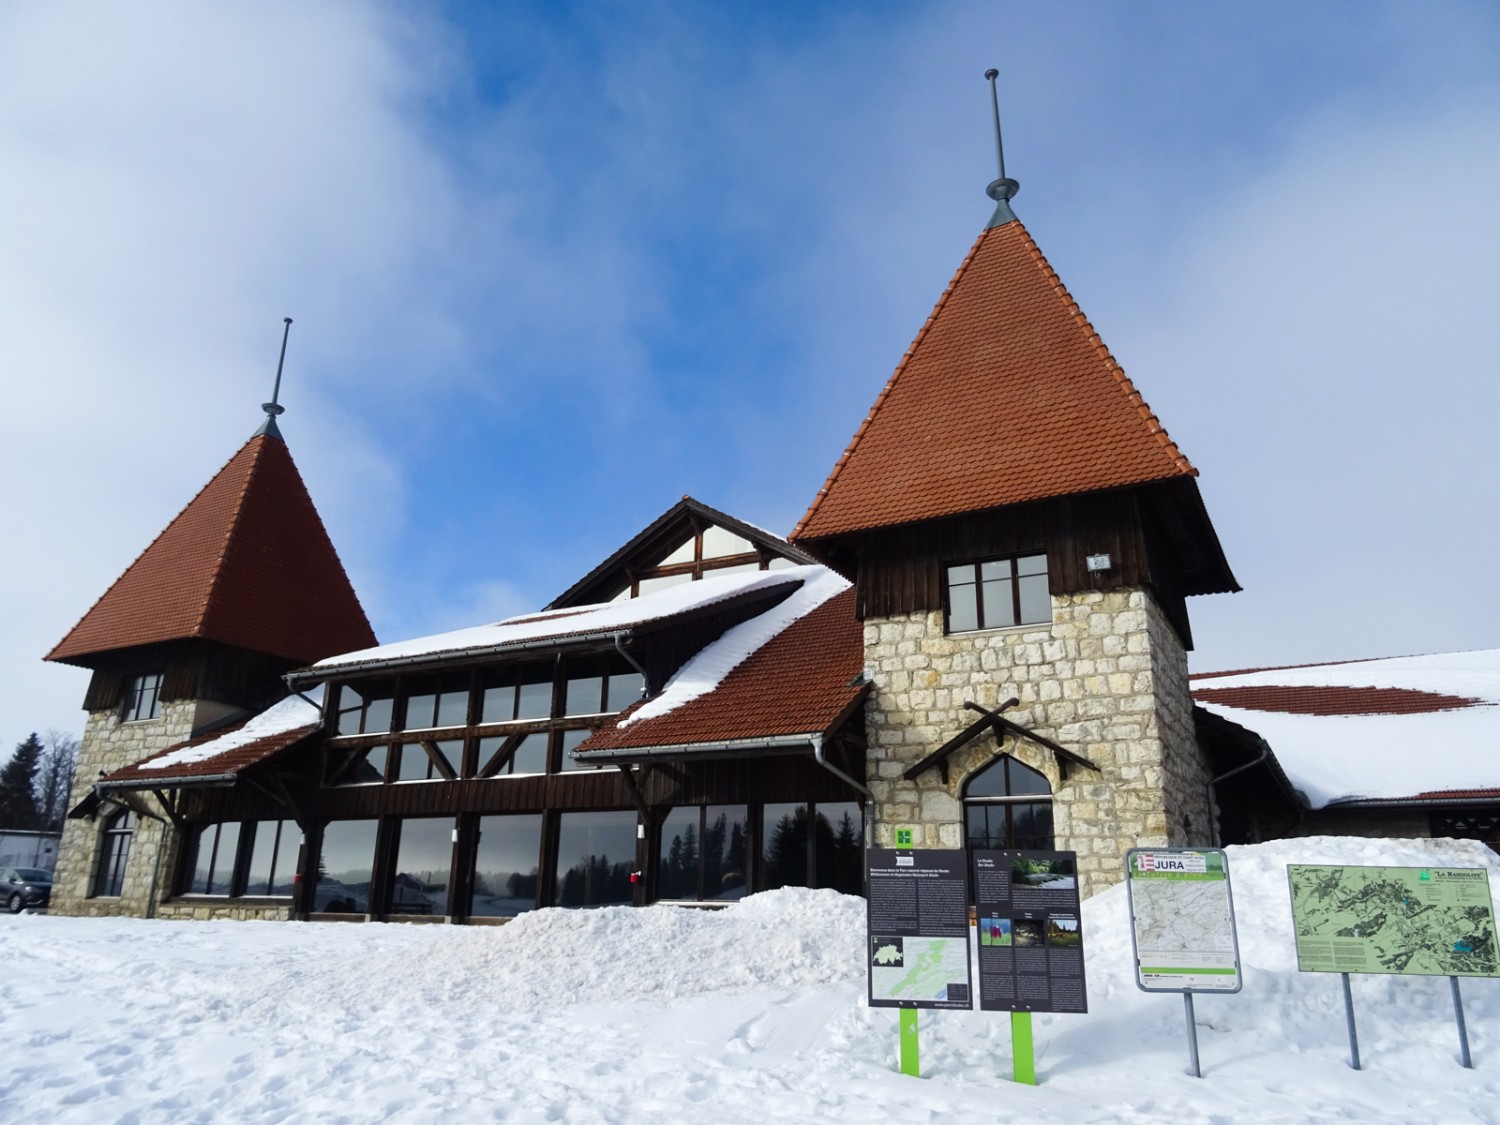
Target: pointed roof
{"type": "Point", "coordinates": [1007, 395]}
{"type": "Point", "coordinates": [247, 563]}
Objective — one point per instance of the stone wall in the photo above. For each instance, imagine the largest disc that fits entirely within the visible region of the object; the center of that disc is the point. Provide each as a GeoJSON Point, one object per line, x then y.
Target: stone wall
{"type": "Point", "coordinates": [1107, 679]}
{"type": "Point", "coordinates": [108, 745]}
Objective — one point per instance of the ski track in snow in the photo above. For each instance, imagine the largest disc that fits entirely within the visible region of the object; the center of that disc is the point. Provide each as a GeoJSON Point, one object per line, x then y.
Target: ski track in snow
{"type": "Point", "coordinates": [752, 1014]}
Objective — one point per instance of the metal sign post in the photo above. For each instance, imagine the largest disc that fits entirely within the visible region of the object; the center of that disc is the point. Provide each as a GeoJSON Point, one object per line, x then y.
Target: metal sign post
{"type": "Point", "coordinates": [1463, 1030]}
{"type": "Point", "coordinates": [1192, 1032]}
{"type": "Point", "coordinates": [1349, 1019]}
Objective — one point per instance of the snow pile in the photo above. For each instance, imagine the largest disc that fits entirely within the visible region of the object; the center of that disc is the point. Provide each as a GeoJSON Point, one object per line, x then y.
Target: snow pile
{"type": "Point", "coordinates": [1332, 758]}
{"type": "Point", "coordinates": [605, 618]}
{"type": "Point", "coordinates": [292, 713]}
{"type": "Point", "coordinates": [707, 670]}
{"type": "Point", "coordinates": [739, 1016]}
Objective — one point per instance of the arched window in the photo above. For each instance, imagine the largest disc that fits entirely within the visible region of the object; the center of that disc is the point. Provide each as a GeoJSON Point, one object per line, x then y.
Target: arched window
{"type": "Point", "coordinates": [114, 853]}
{"type": "Point", "coordinates": [1008, 805]}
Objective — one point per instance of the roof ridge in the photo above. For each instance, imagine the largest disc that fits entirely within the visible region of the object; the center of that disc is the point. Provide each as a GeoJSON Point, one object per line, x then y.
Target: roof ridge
{"type": "Point", "coordinates": [147, 549]}
{"type": "Point", "coordinates": [229, 532]}
{"type": "Point", "coordinates": [1111, 364]}
{"type": "Point", "coordinates": [891, 382]}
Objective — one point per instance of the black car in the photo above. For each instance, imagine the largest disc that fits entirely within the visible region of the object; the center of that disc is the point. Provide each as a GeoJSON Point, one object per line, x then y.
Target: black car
{"type": "Point", "coordinates": [25, 887]}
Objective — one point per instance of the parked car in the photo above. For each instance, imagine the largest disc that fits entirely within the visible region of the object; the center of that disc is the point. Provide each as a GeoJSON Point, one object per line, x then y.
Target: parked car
{"type": "Point", "coordinates": [25, 887]}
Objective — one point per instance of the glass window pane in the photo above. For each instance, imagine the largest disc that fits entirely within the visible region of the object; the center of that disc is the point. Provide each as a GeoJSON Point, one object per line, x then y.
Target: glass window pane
{"type": "Point", "coordinates": [784, 846]}
{"type": "Point", "coordinates": [963, 609]}
{"type": "Point", "coordinates": [718, 542]}
{"type": "Point", "coordinates": [419, 711]}
{"type": "Point", "coordinates": [724, 851]}
{"type": "Point", "coordinates": [584, 695]}
{"type": "Point", "coordinates": [378, 715]}
{"type": "Point", "coordinates": [1031, 564]}
{"type": "Point", "coordinates": [624, 689]}
{"type": "Point", "coordinates": [994, 570]}
{"type": "Point", "coordinates": [423, 860]}
{"type": "Point", "coordinates": [1024, 781]}
{"type": "Point", "coordinates": [351, 710]}
{"type": "Point", "coordinates": [273, 861]}
{"type": "Point", "coordinates": [961, 575]}
{"type": "Point", "coordinates": [499, 705]}
{"type": "Point", "coordinates": [414, 765]}
{"type": "Point", "coordinates": [506, 865]}
{"type": "Point", "coordinates": [988, 782]}
{"type": "Point", "coordinates": [978, 827]}
{"type": "Point", "coordinates": [344, 866]}
{"type": "Point", "coordinates": [999, 610]}
{"type": "Point", "coordinates": [595, 856]}
{"type": "Point", "coordinates": [570, 739]}
{"type": "Point", "coordinates": [370, 768]}
{"type": "Point", "coordinates": [223, 869]}
{"type": "Point", "coordinates": [530, 756]}
{"type": "Point", "coordinates": [534, 700]}
{"type": "Point", "coordinates": [677, 873]}
{"type": "Point", "coordinates": [1036, 602]}
{"type": "Point", "coordinates": [451, 750]}
{"type": "Point", "coordinates": [453, 702]}
{"type": "Point", "coordinates": [840, 852]}
{"type": "Point", "coordinates": [200, 865]}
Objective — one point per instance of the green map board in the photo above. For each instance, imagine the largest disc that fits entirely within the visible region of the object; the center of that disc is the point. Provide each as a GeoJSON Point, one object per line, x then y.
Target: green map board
{"type": "Point", "coordinates": [1419, 921]}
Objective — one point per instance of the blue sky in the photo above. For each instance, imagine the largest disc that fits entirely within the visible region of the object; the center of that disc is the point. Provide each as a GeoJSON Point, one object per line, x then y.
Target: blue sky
{"type": "Point", "coordinates": [553, 266]}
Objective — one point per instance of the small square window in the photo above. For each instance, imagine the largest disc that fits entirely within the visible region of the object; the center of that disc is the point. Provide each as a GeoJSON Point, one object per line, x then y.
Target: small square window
{"type": "Point", "coordinates": [997, 593]}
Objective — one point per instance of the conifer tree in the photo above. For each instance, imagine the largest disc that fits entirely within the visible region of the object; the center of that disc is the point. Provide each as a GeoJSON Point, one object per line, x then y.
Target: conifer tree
{"type": "Point", "coordinates": [17, 801]}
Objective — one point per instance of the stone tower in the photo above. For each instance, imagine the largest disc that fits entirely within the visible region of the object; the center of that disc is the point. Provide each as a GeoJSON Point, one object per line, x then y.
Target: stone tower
{"type": "Point", "coordinates": [1021, 530]}
{"type": "Point", "coordinates": [242, 586]}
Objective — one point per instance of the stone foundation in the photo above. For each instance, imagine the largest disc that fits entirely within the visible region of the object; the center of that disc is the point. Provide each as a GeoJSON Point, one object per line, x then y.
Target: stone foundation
{"type": "Point", "coordinates": [1107, 679]}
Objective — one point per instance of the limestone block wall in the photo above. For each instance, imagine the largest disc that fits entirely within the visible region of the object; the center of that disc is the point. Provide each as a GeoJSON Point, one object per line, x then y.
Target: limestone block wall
{"type": "Point", "coordinates": [1107, 678]}
{"type": "Point", "coordinates": [108, 745]}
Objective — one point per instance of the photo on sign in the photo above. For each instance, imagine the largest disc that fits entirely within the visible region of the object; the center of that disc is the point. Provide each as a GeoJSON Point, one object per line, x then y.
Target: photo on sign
{"type": "Point", "coordinates": [1062, 933]}
{"type": "Point", "coordinates": [994, 931]}
{"type": "Point", "coordinates": [1046, 874]}
{"type": "Point", "coordinates": [887, 952]}
{"type": "Point", "coordinates": [1029, 933]}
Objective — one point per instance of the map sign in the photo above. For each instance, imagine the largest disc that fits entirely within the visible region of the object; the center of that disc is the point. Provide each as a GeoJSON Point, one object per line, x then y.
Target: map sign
{"type": "Point", "coordinates": [918, 917]}
{"type": "Point", "coordinates": [1030, 932]}
{"type": "Point", "coordinates": [1420, 921]}
{"type": "Point", "coordinates": [1182, 919]}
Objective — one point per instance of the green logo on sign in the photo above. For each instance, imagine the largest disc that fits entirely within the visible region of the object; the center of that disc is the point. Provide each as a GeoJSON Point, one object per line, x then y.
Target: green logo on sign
{"type": "Point", "coordinates": [905, 837]}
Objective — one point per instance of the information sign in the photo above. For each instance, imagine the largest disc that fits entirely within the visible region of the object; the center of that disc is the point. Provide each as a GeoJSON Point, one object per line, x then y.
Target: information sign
{"type": "Point", "coordinates": [1030, 932]}
{"type": "Point", "coordinates": [918, 928]}
{"type": "Point", "coordinates": [1417, 921]}
{"type": "Point", "coordinates": [1182, 920]}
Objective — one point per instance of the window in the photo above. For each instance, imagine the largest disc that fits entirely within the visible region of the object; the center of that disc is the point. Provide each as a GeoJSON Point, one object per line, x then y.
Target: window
{"type": "Point", "coordinates": [518, 754]}
{"type": "Point", "coordinates": [507, 866]}
{"type": "Point", "coordinates": [818, 847]}
{"type": "Point", "coordinates": [366, 709]}
{"type": "Point", "coordinates": [344, 867]}
{"type": "Point", "coordinates": [515, 694]}
{"type": "Point", "coordinates": [424, 856]}
{"type": "Point", "coordinates": [595, 856]}
{"type": "Point", "coordinates": [997, 593]}
{"type": "Point", "coordinates": [1008, 805]}
{"type": "Point", "coordinates": [114, 854]}
{"type": "Point", "coordinates": [437, 701]}
{"type": "Point", "coordinates": [703, 852]}
{"type": "Point", "coordinates": [142, 698]}
{"type": "Point", "coordinates": [417, 764]}
{"type": "Point", "coordinates": [217, 854]}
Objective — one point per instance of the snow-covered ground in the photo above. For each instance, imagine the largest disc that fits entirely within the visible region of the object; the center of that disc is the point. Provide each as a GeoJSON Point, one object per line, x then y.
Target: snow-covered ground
{"type": "Point", "coordinates": [752, 1014]}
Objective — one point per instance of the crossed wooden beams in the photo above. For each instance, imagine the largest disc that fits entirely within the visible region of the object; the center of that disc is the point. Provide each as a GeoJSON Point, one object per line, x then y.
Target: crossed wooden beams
{"type": "Point", "coordinates": [996, 722]}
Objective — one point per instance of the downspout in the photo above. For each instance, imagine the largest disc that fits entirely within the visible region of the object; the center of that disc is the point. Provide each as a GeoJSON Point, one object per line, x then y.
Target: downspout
{"type": "Point", "coordinates": [817, 745]}
{"type": "Point", "coordinates": [1213, 805]}
{"type": "Point", "coordinates": [633, 662]}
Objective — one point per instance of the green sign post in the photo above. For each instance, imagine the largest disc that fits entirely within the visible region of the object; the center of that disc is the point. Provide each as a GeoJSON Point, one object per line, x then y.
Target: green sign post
{"type": "Point", "coordinates": [1410, 921]}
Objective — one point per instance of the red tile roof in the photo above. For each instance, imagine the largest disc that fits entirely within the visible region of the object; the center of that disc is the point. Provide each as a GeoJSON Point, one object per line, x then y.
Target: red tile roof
{"type": "Point", "coordinates": [1007, 395]}
{"type": "Point", "coordinates": [797, 683]}
{"type": "Point", "coordinates": [228, 763]}
{"type": "Point", "coordinates": [1321, 700]}
{"type": "Point", "coordinates": [247, 563]}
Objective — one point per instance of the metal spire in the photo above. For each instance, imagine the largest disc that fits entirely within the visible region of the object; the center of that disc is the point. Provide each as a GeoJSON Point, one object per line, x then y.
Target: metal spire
{"type": "Point", "coordinates": [273, 408]}
{"type": "Point", "coordinates": [1003, 189]}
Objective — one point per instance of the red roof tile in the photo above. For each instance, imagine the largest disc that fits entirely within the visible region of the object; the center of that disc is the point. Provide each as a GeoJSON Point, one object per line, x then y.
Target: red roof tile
{"type": "Point", "coordinates": [228, 763]}
{"type": "Point", "coordinates": [1320, 700]}
{"type": "Point", "coordinates": [1007, 395]}
{"type": "Point", "coordinates": [798, 683]}
{"type": "Point", "coordinates": [247, 563]}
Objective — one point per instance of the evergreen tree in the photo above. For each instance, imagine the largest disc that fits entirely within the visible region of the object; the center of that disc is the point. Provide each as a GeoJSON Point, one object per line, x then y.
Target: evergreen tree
{"type": "Point", "coordinates": [17, 803]}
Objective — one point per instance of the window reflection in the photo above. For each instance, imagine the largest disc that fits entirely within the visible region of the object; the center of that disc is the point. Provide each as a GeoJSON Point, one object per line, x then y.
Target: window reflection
{"type": "Point", "coordinates": [839, 849]}
{"type": "Point", "coordinates": [506, 866]}
{"type": "Point", "coordinates": [344, 865]}
{"type": "Point", "coordinates": [273, 859]}
{"type": "Point", "coordinates": [212, 867]}
{"type": "Point", "coordinates": [424, 857]}
{"type": "Point", "coordinates": [595, 856]}
{"type": "Point", "coordinates": [571, 739]}
{"type": "Point", "coordinates": [703, 853]}
{"type": "Point", "coordinates": [784, 846]}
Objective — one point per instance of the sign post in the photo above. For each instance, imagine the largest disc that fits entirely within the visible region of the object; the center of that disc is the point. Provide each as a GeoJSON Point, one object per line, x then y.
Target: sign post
{"type": "Point", "coordinates": [1182, 927]}
{"type": "Point", "coordinates": [1407, 921]}
{"type": "Point", "coordinates": [918, 918]}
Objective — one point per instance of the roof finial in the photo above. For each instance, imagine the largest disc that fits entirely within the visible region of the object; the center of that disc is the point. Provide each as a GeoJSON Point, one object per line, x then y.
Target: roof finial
{"type": "Point", "coordinates": [273, 408]}
{"type": "Point", "coordinates": [1003, 189]}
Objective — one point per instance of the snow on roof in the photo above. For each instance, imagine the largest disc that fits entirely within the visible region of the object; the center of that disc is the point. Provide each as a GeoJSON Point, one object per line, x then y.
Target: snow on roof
{"type": "Point", "coordinates": [704, 672]}
{"type": "Point", "coordinates": [292, 713]}
{"type": "Point", "coordinates": [1374, 750]}
{"type": "Point", "coordinates": [579, 620]}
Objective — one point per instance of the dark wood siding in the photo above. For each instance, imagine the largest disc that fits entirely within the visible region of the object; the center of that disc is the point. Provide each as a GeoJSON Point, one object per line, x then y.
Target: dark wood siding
{"type": "Point", "coordinates": [190, 669]}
